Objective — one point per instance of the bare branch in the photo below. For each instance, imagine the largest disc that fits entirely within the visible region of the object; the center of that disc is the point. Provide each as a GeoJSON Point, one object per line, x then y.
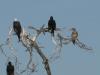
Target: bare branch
{"type": "Point", "coordinates": [29, 44]}
{"type": "Point", "coordinates": [82, 45]}
{"type": "Point", "coordinates": [2, 50]}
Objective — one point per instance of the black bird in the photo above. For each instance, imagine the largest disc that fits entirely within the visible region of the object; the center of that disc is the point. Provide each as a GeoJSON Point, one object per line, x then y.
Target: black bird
{"type": "Point", "coordinates": [17, 28]}
{"type": "Point", "coordinates": [10, 69]}
{"type": "Point", "coordinates": [51, 25]}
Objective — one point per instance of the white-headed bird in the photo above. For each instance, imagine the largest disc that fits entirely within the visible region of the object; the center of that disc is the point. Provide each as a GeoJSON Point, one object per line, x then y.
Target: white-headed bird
{"type": "Point", "coordinates": [17, 28]}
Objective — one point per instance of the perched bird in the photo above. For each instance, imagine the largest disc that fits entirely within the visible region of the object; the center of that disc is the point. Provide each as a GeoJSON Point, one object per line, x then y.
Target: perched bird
{"type": "Point", "coordinates": [17, 28]}
{"type": "Point", "coordinates": [10, 69]}
{"type": "Point", "coordinates": [74, 35]}
{"type": "Point", "coordinates": [75, 40]}
{"type": "Point", "coordinates": [51, 25]}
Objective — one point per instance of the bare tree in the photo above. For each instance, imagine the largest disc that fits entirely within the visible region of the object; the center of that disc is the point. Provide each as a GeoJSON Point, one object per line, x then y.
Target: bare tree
{"type": "Point", "coordinates": [30, 43]}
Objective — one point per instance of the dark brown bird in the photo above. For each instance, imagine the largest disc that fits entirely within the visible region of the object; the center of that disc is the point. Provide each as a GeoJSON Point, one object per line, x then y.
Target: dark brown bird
{"type": "Point", "coordinates": [17, 28]}
{"type": "Point", "coordinates": [51, 25]}
{"type": "Point", "coordinates": [10, 69]}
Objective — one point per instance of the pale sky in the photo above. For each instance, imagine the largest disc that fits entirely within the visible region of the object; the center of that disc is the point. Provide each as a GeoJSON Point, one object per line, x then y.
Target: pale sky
{"type": "Point", "coordinates": [84, 15]}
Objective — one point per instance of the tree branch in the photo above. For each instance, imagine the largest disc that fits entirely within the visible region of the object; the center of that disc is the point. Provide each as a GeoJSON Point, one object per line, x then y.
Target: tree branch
{"type": "Point", "coordinates": [45, 60]}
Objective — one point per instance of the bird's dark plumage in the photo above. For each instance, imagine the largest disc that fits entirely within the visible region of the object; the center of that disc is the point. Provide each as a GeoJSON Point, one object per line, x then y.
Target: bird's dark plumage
{"type": "Point", "coordinates": [17, 28]}
{"type": "Point", "coordinates": [73, 41]}
{"type": "Point", "coordinates": [10, 69]}
{"type": "Point", "coordinates": [51, 25]}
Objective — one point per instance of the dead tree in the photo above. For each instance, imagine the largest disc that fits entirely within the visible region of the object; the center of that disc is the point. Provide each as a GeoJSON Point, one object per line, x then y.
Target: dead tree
{"type": "Point", "coordinates": [30, 43]}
